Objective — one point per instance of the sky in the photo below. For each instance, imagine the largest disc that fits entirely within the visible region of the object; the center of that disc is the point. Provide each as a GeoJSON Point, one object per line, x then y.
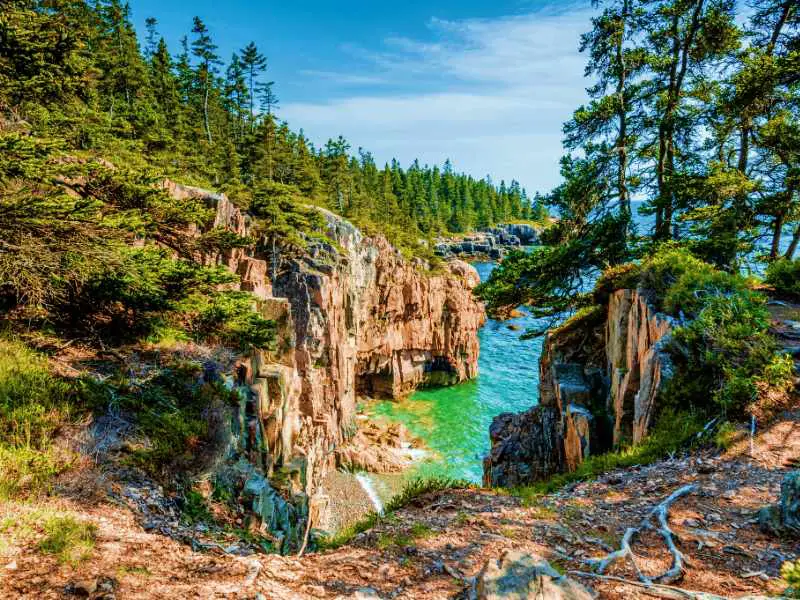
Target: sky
{"type": "Point", "coordinates": [486, 84]}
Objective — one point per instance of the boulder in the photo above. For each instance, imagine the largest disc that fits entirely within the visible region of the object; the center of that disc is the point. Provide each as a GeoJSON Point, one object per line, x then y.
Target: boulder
{"type": "Point", "coordinates": [519, 576]}
{"type": "Point", "coordinates": [525, 447]}
{"type": "Point", "coordinates": [784, 517]}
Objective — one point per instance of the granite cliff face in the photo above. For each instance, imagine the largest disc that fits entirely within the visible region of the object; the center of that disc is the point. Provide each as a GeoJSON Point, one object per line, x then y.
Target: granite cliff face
{"type": "Point", "coordinates": [354, 318]}
{"type": "Point", "coordinates": [600, 378]}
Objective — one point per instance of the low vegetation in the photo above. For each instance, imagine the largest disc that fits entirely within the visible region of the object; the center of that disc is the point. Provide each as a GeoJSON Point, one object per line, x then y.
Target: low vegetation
{"type": "Point", "coordinates": [34, 406]}
{"type": "Point", "coordinates": [67, 538]}
{"type": "Point", "coordinates": [672, 432]}
{"type": "Point", "coordinates": [784, 276]}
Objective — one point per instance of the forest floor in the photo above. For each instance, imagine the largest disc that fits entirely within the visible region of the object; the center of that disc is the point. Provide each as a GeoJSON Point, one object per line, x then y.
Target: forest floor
{"type": "Point", "coordinates": [433, 547]}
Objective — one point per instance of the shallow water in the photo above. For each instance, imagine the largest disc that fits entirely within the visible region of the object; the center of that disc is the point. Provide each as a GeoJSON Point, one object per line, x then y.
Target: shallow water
{"type": "Point", "coordinates": [453, 422]}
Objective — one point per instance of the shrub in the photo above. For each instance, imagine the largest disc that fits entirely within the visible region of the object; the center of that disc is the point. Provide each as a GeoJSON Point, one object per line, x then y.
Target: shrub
{"type": "Point", "coordinates": [784, 276]}
{"type": "Point", "coordinates": [727, 350]}
{"type": "Point", "coordinates": [172, 409]}
{"type": "Point", "coordinates": [790, 571]}
{"type": "Point", "coordinates": [683, 283]}
{"type": "Point", "coordinates": [230, 318]}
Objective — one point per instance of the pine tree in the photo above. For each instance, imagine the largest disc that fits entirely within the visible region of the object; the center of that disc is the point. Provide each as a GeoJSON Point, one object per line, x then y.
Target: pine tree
{"type": "Point", "coordinates": [254, 63]}
{"type": "Point", "coordinates": [205, 50]}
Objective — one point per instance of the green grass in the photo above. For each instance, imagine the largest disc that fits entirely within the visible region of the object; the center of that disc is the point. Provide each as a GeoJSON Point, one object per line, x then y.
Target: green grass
{"type": "Point", "coordinates": [726, 435]}
{"type": "Point", "coordinates": [671, 433]}
{"type": "Point", "coordinates": [34, 405]}
{"type": "Point", "coordinates": [413, 490]}
{"type": "Point", "coordinates": [70, 540]}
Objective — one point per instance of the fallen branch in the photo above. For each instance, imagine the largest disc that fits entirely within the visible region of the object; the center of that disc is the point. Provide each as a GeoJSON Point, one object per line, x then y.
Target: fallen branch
{"type": "Point", "coordinates": [659, 512]}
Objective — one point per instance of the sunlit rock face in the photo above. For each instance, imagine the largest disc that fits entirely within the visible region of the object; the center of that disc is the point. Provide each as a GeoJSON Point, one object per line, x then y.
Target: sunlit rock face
{"type": "Point", "coordinates": [602, 382]}
{"type": "Point", "coordinates": [353, 317]}
{"type": "Point", "coordinates": [638, 365]}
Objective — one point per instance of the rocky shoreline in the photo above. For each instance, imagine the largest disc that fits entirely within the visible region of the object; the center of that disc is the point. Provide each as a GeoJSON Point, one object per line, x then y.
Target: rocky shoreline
{"type": "Point", "coordinates": [492, 242]}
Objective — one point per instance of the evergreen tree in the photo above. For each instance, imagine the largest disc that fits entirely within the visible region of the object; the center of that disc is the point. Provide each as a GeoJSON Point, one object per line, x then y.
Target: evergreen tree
{"type": "Point", "coordinates": [205, 50]}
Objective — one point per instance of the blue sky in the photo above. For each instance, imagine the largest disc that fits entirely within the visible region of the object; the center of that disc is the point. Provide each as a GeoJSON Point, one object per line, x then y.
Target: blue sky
{"type": "Point", "coordinates": [486, 84]}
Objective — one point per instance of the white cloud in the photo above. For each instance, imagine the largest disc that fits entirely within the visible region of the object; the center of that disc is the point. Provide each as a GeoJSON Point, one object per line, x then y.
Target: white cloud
{"type": "Point", "coordinates": [490, 94]}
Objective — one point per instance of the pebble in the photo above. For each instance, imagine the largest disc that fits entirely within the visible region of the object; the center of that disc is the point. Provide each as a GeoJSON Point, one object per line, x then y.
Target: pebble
{"type": "Point", "coordinates": [86, 587]}
{"type": "Point", "coordinates": [12, 566]}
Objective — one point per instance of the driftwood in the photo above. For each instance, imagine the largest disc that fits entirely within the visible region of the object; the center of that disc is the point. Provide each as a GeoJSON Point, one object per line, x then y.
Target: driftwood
{"type": "Point", "coordinates": [659, 513]}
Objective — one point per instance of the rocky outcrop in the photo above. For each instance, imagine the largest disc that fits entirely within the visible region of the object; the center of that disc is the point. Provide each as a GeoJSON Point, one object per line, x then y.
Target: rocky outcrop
{"type": "Point", "coordinates": [492, 242]}
{"type": "Point", "coordinates": [598, 387]}
{"type": "Point", "coordinates": [353, 317]}
{"type": "Point", "coordinates": [638, 363]}
{"type": "Point", "coordinates": [784, 518]}
{"type": "Point", "coordinates": [519, 576]}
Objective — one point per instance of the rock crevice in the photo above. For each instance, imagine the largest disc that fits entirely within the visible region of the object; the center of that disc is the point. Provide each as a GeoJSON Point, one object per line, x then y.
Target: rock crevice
{"type": "Point", "coordinates": [599, 387]}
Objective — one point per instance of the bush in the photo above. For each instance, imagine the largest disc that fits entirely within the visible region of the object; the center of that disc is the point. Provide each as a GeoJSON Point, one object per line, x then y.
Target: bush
{"type": "Point", "coordinates": [172, 410]}
{"type": "Point", "coordinates": [784, 276]}
{"type": "Point", "coordinates": [790, 571]}
{"type": "Point", "coordinates": [726, 352]}
{"type": "Point", "coordinates": [683, 283]}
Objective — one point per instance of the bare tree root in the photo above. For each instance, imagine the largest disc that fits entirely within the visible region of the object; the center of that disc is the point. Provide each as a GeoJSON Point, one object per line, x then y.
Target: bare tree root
{"type": "Point", "coordinates": [659, 513]}
{"type": "Point", "coordinates": [654, 589]}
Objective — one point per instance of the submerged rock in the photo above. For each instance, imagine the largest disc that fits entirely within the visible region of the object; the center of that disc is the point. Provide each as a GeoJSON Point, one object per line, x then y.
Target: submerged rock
{"type": "Point", "coordinates": [519, 576]}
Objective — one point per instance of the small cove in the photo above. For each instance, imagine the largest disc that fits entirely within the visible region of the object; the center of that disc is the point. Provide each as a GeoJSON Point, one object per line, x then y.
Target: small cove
{"type": "Point", "coordinates": [453, 422]}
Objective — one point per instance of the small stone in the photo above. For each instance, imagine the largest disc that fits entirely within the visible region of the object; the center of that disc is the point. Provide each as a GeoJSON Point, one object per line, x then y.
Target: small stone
{"type": "Point", "coordinates": [12, 566]}
{"type": "Point", "coordinates": [386, 571]}
{"type": "Point", "coordinates": [86, 587]}
{"type": "Point", "coordinates": [691, 523]}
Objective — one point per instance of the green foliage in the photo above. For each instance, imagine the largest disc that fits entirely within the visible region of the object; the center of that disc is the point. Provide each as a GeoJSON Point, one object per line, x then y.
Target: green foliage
{"type": "Point", "coordinates": [790, 571]}
{"type": "Point", "coordinates": [151, 292]}
{"type": "Point", "coordinates": [784, 276]}
{"type": "Point", "coordinates": [172, 409]}
{"type": "Point", "coordinates": [726, 435]}
{"type": "Point", "coordinates": [195, 508]}
{"type": "Point", "coordinates": [69, 539]}
{"type": "Point", "coordinates": [725, 352]}
{"type": "Point", "coordinates": [683, 283]}
{"type": "Point", "coordinates": [34, 406]}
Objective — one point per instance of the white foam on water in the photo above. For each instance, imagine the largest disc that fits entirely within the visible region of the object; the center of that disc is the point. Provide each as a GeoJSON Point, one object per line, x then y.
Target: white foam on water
{"type": "Point", "coordinates": [366, 483]}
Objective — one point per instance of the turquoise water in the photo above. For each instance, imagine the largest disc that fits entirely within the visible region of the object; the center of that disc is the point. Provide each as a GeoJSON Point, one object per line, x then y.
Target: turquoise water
{"type": "Point", "coordinates": [453, 422]}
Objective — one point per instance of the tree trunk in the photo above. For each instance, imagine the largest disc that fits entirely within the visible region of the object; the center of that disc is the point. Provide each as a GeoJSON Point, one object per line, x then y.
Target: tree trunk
{"type": "Point", "coordinates": [205, 114]}
{"type": "Point", "coordinates": [793, 246]}
{"type": "Point", "coordinates": [666, 131]}
{"type": "Point", "coordinates": [622, 140]}
{"type": "Point", "coordinates": [777, 230]}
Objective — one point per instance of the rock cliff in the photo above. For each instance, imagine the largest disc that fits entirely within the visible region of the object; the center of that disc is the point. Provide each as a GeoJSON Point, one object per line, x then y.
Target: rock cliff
{"type": "Point", "coordinates": [354, 318]}
{"type": "Point", "coordinates": [600, 377]}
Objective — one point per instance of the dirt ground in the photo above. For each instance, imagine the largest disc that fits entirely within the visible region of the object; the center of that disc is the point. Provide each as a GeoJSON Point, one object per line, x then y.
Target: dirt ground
{"type": "Point", "coordinates": [433, 547]}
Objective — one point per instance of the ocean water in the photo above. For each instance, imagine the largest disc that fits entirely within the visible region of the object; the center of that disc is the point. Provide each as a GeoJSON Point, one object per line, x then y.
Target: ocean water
{"type": "Point", "coordinates": [453, 422]}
